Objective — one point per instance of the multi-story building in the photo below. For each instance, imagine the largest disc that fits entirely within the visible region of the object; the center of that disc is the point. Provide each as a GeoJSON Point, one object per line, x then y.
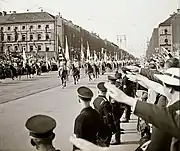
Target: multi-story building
{"type": "Point", "coordinates": [176, 32]}
{"type": "Point", "coordinates": [168, 36]}
{"type": "Point", "coordinates": [33, 32]}
{"type": "Point", "coordinates": [153, 46]}
{"type": "Point", "coordinates": [165, 34]}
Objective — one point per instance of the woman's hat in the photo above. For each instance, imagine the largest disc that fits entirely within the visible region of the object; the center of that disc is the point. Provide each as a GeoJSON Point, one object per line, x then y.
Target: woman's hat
{"type": "Point", "coordinates": [170, 77]}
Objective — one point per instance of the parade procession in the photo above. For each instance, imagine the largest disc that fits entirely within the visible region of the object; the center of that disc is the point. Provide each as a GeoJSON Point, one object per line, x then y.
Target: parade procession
{"type": "Point", "coordinates": [63, 87]}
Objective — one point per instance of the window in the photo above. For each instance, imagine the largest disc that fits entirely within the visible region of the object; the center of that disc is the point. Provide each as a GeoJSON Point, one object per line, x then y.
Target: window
{"type": "Point", "coordinates": [2, 37]}
{"type": "Point", "coordinates": [9, 28]}
{"type": "Point", "coordinates": [23, 37]}
{"type": "Point", "coordinates": [8, 48]}
{"type": "Point", "coordinates": [47, 48]}
{"type": "Point", "coordinates": [47, 26]}
{"type": "Point", "coordinates": [165, 31]}
{"type": "Point", "coordinates": [166, 40]}
{"type": "Point", "coordinates": [16, 36]}
{"type": "Point", "coordinates": [39, 47]}
{"type": "Point", "coordinates": [31, 48]}
{"type": "Point", "coordinates": [39, 36]}
{"type": "Point", "coordinates": [31, 37]}
{"type": "Point", "coordinates": [47, 36]}
{"type": "Point", "coordinates": [39, 26]}
{"type": "Point", "coordinates": [31, 27]}
{"type": "Point", "coordinates": [16, 48]}
{"type": "Point", "coordinates": [2, 28]}
{"type": "Point", "coordinates": [16, 28]}
{"type": "Point", "coordinates": [9, 38]}
{"type": "Point", "coordinates": [23, 27]}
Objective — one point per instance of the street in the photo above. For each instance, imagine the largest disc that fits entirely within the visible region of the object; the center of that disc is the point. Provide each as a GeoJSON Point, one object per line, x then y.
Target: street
{"type": "Point", "coordinates": [45, 96]}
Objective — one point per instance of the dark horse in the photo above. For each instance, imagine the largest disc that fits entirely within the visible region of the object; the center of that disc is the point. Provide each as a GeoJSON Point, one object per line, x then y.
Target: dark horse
{"type": "Point", "coordinates": [75, 74]}
{"type": "Point", "coordinates": [89, 71]}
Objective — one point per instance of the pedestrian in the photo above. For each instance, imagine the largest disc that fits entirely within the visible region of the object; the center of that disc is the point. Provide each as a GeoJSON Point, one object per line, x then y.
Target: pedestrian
{"type": "Point", "coordinates": [165, 119]}
{"type": "Point", "coordinates": [117, 113]}
{"type": "Point", "coordinates": [41, 132]}
{"type": "Point", "coordinates": [88, 123]}
{"type": "Point", "coordinates": [104, 107]}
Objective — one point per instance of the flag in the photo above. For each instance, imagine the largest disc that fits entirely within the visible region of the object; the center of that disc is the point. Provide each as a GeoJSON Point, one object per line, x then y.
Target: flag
{"type": "Point", "coordinates": [116, 56]}
{"type": "Point", "coordinates": [66, 50]}
{"type": "Point", "coordinates": [82, 52]}
{"type": "Point", "coordinates": [88, 52]}
{"type": "Point", "coordinates": [95, 56]}
{"type": "Point", "coordinates": [24, 58]}
{"type": "Point", "coordinates": [105, 56]}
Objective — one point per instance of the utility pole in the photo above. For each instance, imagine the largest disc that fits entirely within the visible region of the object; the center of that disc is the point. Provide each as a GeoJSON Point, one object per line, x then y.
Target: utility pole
{"type": "Point", "coordinates": [120, 40]}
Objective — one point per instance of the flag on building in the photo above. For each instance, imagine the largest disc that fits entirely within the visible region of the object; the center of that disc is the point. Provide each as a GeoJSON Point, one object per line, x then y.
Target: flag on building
{"type": "Point", "coordinates": [67, 50]}
{"type": "Point", "coordinates": [24, 58]}
{"type": "Point", "coordinates": [88, 52]}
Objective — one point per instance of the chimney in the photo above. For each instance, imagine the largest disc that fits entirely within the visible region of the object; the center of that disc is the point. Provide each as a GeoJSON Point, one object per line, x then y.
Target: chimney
{"type": "Point", "coordinates": [4, 13]}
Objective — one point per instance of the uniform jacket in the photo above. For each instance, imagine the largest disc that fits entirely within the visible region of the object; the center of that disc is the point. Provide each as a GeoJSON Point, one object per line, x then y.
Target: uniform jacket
{"type": "Point", "coordinates": [88, 125]}
{"type": "Point", "coordinates": [165, 119]}
{"type": "Point", "coordinates": [104, 108]}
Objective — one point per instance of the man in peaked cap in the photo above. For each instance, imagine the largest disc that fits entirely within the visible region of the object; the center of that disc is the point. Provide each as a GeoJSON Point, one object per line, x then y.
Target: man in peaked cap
{"type": "Point", "coordinates": [103, 106]}
{"type": "Point", "coordinates": [41, 132]}
{"type": "Point", "coordinates": [112, 79]}
{"type": "Point", "coordinates": [88, 123]}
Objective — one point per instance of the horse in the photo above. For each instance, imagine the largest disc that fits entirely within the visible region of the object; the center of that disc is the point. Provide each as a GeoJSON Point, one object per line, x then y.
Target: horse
{"type": "Point", "coordinates": [63, 75]}
{"type": "Point", "coordinates": [89, 71]}
{"type": "Point", "coordinates": [75, 74]}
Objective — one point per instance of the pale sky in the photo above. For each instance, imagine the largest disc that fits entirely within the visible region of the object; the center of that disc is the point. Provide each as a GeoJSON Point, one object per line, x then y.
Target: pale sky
{"type": "Point", "coordinates": [108, 18]}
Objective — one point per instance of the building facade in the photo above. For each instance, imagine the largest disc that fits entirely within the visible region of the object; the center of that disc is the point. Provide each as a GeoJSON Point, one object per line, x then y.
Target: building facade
{"type": "Point", "coordinates": [176, 32]}
{"type": "Point", "coordinates": [168, 36]}
{"type": "Point", "coordinates": [32, 32]}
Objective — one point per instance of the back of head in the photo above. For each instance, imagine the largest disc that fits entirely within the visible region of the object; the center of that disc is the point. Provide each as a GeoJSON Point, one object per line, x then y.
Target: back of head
{"type": "Point", "coordinates": [173, 63]}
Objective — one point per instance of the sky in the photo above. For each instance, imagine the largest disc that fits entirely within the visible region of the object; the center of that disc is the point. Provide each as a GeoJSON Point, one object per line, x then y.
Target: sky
{"type": "Point", "coordinates": [108, 18]}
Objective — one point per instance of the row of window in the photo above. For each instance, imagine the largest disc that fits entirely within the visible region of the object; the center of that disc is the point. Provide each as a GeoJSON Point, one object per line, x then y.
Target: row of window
{"type": "Point", "coordinates": [31, 37]}
{"type": "Point", "coordinates": [31, 48]}
{"type": "Point", "coordinates": [165, 32]}
{"type": "Point", "coordinates": [24, 27]}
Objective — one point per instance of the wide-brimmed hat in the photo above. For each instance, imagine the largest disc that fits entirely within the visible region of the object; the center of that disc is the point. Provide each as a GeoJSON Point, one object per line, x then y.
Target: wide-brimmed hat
{"type": "Point", "coordinates": [171, 76]}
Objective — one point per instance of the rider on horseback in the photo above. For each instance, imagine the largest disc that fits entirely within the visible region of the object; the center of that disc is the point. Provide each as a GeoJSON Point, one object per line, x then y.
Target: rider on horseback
{"type": "Point", "coordinates": [63, 74]}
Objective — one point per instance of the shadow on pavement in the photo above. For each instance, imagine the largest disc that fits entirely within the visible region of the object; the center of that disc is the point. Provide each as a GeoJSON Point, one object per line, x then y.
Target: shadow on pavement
{"type": "Point", "coordinates": [130, 142]}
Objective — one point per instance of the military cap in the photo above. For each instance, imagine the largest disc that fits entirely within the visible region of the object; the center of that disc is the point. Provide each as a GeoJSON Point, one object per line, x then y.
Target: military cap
{"type": "Point", "coordinates": [101, 87]}
{"type": "Point", "coordinates": [118, 75]}
{"type": "Point", "coordinates": [84, 93]}
{"type": "Point", "coordinates": [112, 79]}
{"type": "Point", "coordinates": [40, 126]}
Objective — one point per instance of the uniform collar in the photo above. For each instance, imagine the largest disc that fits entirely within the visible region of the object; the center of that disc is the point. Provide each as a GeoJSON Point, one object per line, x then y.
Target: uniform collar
{"type": "Point", "coordinates": [87, 108]}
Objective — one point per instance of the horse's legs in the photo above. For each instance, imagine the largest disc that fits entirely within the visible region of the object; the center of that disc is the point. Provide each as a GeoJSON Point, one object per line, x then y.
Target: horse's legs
{"type": "Point", "coordinates": [74, 77]}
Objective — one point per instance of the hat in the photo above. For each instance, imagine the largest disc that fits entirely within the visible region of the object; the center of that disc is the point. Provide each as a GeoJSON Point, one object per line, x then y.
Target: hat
{"type": "Point", "coordinates": [112, 79]}
{"type": "Point", "coordinates": [118, 75]}
{"type": "Point", "coordinates": [40, 126]}
{"type": "Point", "coordinates": [171, 76]}
{"type": "Point", "coordinates": [101, 87]}
{"type": "Point", "coordinates": [84, 92]}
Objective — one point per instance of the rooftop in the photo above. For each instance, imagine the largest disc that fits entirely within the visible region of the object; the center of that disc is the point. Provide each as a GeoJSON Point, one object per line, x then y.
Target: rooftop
{"type": "Point", "coordinates": [168, 21]}
{"type": "Point", "coordinates": [26, 17]}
